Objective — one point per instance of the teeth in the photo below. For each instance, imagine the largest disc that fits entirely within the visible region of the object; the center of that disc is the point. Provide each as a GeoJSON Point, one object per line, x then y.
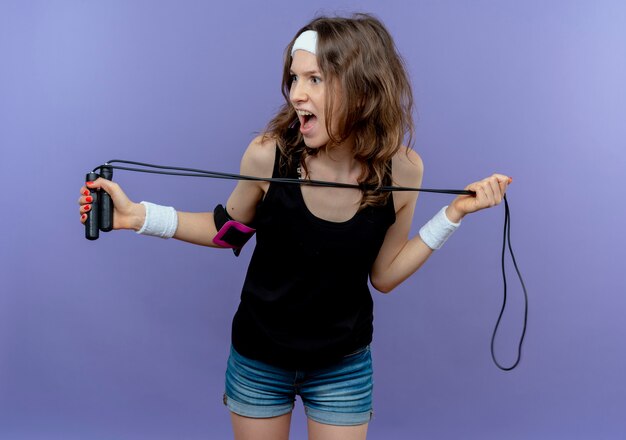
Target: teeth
{"type": "Point", "coordinates": [304, 113]}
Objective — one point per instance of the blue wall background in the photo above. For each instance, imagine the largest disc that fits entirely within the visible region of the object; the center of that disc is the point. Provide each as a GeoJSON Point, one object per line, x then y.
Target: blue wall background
{"type": "Point", "coordinates": [127, 337]}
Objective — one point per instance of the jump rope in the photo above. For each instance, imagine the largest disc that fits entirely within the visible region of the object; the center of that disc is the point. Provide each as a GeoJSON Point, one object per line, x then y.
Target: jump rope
{"type": "Point", "coordinates": [100, 218]}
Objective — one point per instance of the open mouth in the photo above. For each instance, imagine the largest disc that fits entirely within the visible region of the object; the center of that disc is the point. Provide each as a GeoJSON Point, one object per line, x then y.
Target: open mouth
{"type": "Point", "coordinates": [307, 119]}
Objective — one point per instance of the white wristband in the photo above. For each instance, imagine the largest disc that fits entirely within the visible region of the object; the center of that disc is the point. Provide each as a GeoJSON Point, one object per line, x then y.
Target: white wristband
{"type": "Point", "coordinates": [161, 221]}
{"type": "Point", "coordinates": [438, 230]}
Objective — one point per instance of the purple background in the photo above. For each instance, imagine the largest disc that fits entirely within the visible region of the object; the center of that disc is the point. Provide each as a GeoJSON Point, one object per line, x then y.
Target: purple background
{"type": "Point", "coordinates": [127, 337]}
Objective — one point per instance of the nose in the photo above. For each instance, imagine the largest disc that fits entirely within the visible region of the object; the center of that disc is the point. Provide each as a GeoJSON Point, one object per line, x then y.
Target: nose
{"type": "Point", "coordinates": [298, 92]}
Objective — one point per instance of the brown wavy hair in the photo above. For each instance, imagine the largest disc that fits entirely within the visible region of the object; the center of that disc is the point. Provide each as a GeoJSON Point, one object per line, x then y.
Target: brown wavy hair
{"type": "Point", "coordinates": [376, 101]}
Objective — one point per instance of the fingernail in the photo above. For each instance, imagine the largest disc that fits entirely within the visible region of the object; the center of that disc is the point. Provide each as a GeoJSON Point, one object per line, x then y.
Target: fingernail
{"type": "Point", "coordinates": [89, 199]}
{"type": "Point", "coordinates": [87, 207]}
{"type": "Point", "coordinates": [88, 183]}
{"type": "Point", "coordinates": [83, 217]}
{"type": "Point", "coordinates": [86, 192]}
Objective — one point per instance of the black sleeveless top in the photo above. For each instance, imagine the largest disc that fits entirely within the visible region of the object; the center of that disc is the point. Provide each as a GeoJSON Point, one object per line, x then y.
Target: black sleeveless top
{"type": "Point", "coordinates": [305, 301]}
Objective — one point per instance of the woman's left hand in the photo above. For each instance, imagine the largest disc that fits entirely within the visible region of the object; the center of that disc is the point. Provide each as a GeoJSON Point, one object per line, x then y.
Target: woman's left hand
{"type": "Point", "coordinates": [489, 192]}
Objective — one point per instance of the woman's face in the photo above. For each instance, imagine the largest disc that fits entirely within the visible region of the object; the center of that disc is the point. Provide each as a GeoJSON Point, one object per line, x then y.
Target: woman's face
{"type": "Point", "coordinates": [308, 96]}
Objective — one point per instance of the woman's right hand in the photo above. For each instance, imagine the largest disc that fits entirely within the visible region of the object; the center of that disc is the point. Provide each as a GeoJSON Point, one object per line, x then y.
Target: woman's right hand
{"type": "Point", "coordinates": [126, 213]}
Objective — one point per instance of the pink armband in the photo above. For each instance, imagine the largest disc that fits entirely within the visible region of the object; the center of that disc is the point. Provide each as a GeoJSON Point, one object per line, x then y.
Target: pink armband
{"type": "Point", "coordinates": [230, 233]}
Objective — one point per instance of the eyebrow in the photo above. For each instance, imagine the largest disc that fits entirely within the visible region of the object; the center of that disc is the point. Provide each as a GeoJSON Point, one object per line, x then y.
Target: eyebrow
{"type": "Point", "coordinates": [307, 73]}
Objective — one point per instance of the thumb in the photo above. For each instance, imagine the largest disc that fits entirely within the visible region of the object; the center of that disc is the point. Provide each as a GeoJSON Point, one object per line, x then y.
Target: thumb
{"type": "Point", "coordinates": [101, 183]}
{"type": "Point", "coordinates": [112, 188]}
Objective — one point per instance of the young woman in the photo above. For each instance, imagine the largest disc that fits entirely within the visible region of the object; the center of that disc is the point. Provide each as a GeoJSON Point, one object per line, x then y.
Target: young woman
{"type": "Point", "coordinates": [304, 323]}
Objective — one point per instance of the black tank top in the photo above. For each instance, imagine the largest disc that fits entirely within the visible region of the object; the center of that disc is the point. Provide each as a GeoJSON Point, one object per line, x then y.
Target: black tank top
{"type": "Point", "coordinates": [305, 301]}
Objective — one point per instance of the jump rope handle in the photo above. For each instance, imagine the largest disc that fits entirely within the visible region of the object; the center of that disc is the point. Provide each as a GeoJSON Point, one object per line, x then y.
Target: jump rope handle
{"type": "Point", "coordinates": [100, 218]}
{"type": "Point", "coordinates": [92, 224]}
{"type": "Point", "coordinates": [106, 204]}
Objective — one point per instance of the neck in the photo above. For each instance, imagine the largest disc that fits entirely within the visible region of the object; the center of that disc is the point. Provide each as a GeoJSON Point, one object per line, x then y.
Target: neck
{"type": "Point", "coordinates": [336, 163]}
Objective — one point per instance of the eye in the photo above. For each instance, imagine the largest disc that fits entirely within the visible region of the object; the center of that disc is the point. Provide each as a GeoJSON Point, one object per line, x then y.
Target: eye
{"type": "Point", "coordinates": [293, 78]}
{"type": "Point", "coordinates": [316, 79]}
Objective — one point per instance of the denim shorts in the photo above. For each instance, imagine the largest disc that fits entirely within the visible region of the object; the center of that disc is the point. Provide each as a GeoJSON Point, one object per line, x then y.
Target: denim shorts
{"type": "Point", "coordinates": [337, 395]}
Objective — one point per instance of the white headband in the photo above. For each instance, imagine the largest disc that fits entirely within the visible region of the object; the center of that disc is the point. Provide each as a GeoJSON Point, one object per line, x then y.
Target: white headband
{"type": "Point", "coordinates": [307, 40]}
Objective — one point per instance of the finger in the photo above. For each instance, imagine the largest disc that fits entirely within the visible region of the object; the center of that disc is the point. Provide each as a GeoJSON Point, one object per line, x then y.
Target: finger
{"type": "Point", "coordinates": [502, 178]}
{"type": "Point", "coordinates": [503, 183]}
{"type": "Point", "coordinates": [107, 185]}
{"type": "Point", "coordinates": [481, 197]}
{"type": "Point", "coordinates": [494, 185]}
{"type": "Point", "coordinates": [502, 186]}
{"type": "Point", "coordinates": [85, 199]}
{"type": "Point", "coordinates": [83, 218]}
{"type": "Point", "coordinates": [101, 183]}
{"type": "Point", "coordinates": [85, 193]}
{"type": "Point", "coordinates": [85, 208]}
{"type": "Point", "coordinates": [486, 191]}
{"type": "Point", "coordinates": [499, 184]}
{"type": "Point", "coordinates": [96, 184]}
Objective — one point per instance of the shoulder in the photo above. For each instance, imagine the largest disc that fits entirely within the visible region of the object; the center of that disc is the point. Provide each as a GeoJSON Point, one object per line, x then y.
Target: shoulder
{"type": "Point", "coordinates": [407, 168]}
{"type": "Point", "coordinates": [258, 160]}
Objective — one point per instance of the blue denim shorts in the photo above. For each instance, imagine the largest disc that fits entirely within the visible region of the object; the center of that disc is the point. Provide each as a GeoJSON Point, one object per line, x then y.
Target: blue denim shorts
{"type": "Point", "coordinates": [337, 395]}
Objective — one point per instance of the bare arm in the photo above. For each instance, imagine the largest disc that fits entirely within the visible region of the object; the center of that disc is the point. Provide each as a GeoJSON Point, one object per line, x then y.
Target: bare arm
{"type": "Point", "coordinates": [258, 160]}
{"type": "Point", "coordinates": [401, 256]}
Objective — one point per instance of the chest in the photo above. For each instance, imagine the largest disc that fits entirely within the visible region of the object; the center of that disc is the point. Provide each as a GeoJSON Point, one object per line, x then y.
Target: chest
{"type": "Point", "coordinates": [331, 204]}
